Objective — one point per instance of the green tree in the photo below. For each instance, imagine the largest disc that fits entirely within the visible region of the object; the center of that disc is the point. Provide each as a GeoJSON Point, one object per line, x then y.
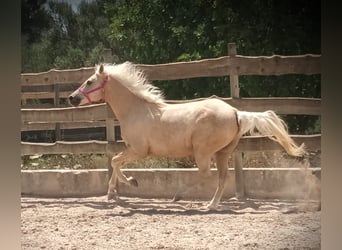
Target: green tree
{"type": "Point", "coordinates": [71, 39]}
{"type": "Point", "coordinates": [34, 19]}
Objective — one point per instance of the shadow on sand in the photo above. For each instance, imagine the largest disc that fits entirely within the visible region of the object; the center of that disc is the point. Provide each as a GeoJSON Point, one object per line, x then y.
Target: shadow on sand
{"type": "Point", "coordinates": [130, 206]}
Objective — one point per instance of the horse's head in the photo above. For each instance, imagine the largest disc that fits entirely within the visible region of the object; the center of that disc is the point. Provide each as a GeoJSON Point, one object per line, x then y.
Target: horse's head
{"type": "Point", "coordinates": [92, 90]}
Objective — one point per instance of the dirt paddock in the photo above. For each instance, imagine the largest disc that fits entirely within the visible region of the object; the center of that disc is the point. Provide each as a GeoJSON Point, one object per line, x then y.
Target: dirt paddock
{"type": "Point", "coordinates": [135, 223]}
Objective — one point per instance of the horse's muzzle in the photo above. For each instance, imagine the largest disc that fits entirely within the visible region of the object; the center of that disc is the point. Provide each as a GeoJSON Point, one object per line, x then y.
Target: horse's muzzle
{"type": "Point", "coordinates": [74, 100]}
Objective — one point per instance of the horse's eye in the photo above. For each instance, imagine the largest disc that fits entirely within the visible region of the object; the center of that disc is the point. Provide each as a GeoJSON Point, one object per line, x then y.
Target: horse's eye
{"type": "Point", "coordinates": [89, 82]}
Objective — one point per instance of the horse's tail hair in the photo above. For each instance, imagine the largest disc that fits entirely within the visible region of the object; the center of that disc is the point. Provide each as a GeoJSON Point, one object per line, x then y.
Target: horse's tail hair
{"type": "Point", "coordinates": [270, 125]}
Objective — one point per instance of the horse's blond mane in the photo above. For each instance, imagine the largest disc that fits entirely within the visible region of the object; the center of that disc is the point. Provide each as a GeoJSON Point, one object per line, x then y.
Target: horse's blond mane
{"type": "Point", "coordinates": [135, 80]}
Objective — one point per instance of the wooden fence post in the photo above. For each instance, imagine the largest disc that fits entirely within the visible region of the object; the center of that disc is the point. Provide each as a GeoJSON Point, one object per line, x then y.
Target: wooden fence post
{"type": "Point", "coordinates": [110, 129]}
{"type": "Point", "coordinates": [56, 103]}
{"type": "Point", "coordinates": [233, 77]}
{"type": "Point", "coordinates": [107, 56]}
{"type": "Point", "coordinates": [110, 136]}
{"type": "Point", "coordinates": [23, 102]}
{"type": "Point", "coordinates": [237, 156]}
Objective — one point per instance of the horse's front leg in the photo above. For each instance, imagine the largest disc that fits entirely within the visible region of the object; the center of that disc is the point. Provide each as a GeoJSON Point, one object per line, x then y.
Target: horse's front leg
{"type": "Point", "coordinates": [112, 192]}
{"type": "Point", "coordinates": [118, 161]}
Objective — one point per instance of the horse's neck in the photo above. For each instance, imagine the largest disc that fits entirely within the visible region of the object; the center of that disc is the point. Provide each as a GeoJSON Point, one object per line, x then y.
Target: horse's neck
{"type": "Point", "coordinates": [123, 102]}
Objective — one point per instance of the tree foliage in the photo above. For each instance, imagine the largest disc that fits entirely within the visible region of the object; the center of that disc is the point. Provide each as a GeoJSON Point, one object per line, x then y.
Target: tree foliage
{"type": "Point", "coordinates": [161, 31]}
{"type": "Point", "coordinates": [72, 38]}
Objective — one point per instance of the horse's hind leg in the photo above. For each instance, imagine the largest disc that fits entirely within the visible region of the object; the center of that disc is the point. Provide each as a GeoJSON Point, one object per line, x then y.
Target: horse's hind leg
{"type": "Point", "coordinates": [117, 162]}
{"type": "Point", "coordinates": [203, 164]}
{"type": "Point", "coordinates": [222, 169]}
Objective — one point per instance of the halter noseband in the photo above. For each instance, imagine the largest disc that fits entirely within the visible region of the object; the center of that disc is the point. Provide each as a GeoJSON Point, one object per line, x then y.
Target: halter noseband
{"type": "Point", "coordinates": [86, 93]}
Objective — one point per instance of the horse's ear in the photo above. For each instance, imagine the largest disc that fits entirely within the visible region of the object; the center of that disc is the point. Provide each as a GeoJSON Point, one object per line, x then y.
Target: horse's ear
{"type": "Point", "coordinates": [101, 69]}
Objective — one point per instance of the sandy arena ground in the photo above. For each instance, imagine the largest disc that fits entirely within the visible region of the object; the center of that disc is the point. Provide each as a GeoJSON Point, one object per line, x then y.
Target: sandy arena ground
{"type": "Point", "coordinates": [93, 223]}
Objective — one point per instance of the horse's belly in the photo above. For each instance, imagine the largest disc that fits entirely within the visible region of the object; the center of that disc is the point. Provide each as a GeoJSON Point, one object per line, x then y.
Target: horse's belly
{"type": "Point", "coordinates": [171, 146]}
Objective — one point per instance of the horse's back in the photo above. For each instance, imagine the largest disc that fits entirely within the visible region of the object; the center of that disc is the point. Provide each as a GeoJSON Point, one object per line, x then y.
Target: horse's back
{"type": "Point", "coordinates": [210, 123]}
{"type": "Point", "coordinates": [216, 125]}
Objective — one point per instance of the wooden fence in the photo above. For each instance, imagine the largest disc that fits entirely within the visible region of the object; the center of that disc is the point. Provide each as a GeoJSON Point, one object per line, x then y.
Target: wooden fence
{"type": "Point", "coordinates": [58, 84]}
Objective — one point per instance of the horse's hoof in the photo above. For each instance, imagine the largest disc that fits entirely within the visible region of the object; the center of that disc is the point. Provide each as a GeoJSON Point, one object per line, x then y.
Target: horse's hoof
{"type": "Point", "coordinates": [209, 207]}
{"type": "Point", "coordinates": [133, 182]}
{"type": "Point", "coordinates": [176, 198]}
{"type": "Point", "coordinates": [111, 196]}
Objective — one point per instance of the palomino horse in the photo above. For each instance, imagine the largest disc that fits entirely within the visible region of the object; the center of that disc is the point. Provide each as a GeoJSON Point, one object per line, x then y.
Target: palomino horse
{"type": "Point", "coordinates": [207, 129]}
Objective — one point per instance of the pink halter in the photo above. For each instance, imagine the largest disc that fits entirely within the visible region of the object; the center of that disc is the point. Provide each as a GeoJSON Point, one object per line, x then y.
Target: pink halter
{"type": "Point", "coordinates": [86, 93]}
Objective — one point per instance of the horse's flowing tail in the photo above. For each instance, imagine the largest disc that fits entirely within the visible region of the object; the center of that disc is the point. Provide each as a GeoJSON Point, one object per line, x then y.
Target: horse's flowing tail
{"type": "Point", "coordinates": [270, 125]}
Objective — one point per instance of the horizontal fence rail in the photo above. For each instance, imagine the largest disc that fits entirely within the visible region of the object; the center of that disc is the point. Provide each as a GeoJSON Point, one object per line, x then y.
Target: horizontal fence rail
{"type": "Point", "coordinates": [247, 143]}
{"type": "Point", "coordinates": [214, 67]}
{"type": "Point", "coordinates": [32, 126]}
{"type": "Point", "coordinates": [98, 112]}
{"type": "Point", "coordinates": [280, 105]}
{"type": "Point", "coordinates": [244, 65]}
{"type": "Point", "coordinates": [79, 147]}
